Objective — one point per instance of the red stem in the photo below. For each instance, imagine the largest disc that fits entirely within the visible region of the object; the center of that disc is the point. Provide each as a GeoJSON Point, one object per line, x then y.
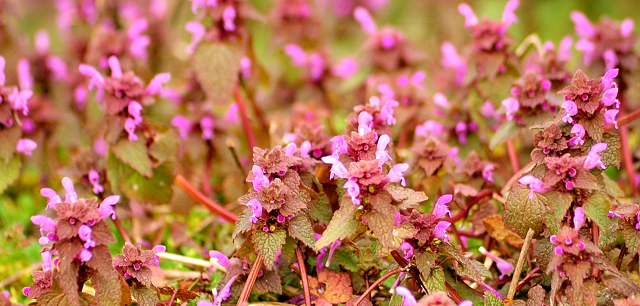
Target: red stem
{"type": "Point", "coordinates": [513, 156]}
{"type": "Point", "coordinates": [246, 125]}
{"type": "Point", "coordinates": [122, 232]}
{"type": "Point", "coordinates": [465, 211]}
{"type": "Point", "coordinates": [206, 176]}
{"type": "Point", "coordinates": [204, 200]}
{"type": "Point", "coordinates": [376, 284]}
{"type": "Point", "coordinates": [303, 277]}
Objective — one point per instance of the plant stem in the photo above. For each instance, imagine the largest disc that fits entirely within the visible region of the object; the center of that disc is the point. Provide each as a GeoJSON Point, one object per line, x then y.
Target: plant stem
{"type": "Point", "coordinates": [376, 284]}
{"type": "Point", "coordinates": [520, 264]}
{"type": "Point", "coordinates": [204, 200]}
{"type": "Point", "coordinates": [465, 211]}
{"type": "Point", "coordinates": [623, 251]}
{"type": "Point", "coordinates": [236, 158]}
{"type": "Point", "coordinates": [513, 156]}
{"type": "Point", "coordinates": [206, 176]}
{"type": "Point", "coordinates": [191, 261]}
{"type": "Point", "coordinates": [121, 230]}
{"type": "Point", "coordinates": [251, 279]}
{"type": "Point", "coordinates": [256, 109]}
{"type": "Point", "coordinates": [628, 159]}
{"type": "Point", "coordinates": [529, 277]}
{"type": "Point", "coordinates": [452, 292]}
{"type": "Point", "coordinates": [303, 277]}
{"type": "Point", "coordinates": [246, 125]}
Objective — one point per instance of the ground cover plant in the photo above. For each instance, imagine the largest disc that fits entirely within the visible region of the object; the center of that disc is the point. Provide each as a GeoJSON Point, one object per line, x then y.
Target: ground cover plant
{"type": "Point", "coordinates": [329, 152]}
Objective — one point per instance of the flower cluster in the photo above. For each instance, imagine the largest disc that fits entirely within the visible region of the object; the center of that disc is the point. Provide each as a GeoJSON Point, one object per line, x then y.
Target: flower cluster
{"type": "Point", "coordinates": [428, 226]}
{"type": "Point", "coordinates": [123, 93]}
{"type": "Point", "coordinates": [317, 64]}
{"type": "Point", "coordinates": [376, 115]}
{"type": "Point", "coordinates": [134, 263]}
{"type": "Point", "coordinates": [528, 98]}
{"type": "Point", "coordinates": [591, 98]}
{"type": "Point", "coordinates": [226, 21]}
{"type": "Point", "coordinates": [13, 100]}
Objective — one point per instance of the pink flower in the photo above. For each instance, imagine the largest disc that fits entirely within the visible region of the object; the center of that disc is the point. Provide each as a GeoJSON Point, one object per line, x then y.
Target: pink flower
{"type": "Point", "coordinates": [366, 21]}
{"type": "Point", "coordinates": [430, 128]}
{"type": "Point", "coordinates": [339, 146]}
{"type": "Point", "coordinates": [18, 100]}
{"type": "Point", "coordinates": [469, 16]}
{"type": "Point", "coordinates": [155, 85]}
{"type": "Point", "coordinates": [353, 189]}
{"type": "Point", "coordinates": [84, 232]}
{"type": "Point", "coordinates": [564, 49]}
{"type": "Point", "coordinates": [626, 27]}
{"type": "Point", "coordinates": [105, 210]}
{"type": "Point", "coordinates": [134, 110]}
{"type": "Point", "coordinates": [578, 218]}
{"type": "Point", "coordinates": [256, 210]}
{"type": "Point", "coordinates": [245, 67]}
{"type": "Point", "coordinates": [228, 17]}
{"type": "Point", "coordinates": [610, 117]}
{"type": "Point", "coordinates": [332, 248]}
{"type": "Point", "coordinates": [570, 109]}
{"type": "Point", "coordinates": [508, 16]}
{"type": "Point", "coordinates": [534, 184]}
{"type": "Point", "coordinates": [396, 174]}
{"type": "Point", "coordinates": [583, 26]}
{"type": "Point", "coordinates": [220, 258]}
{"type": "Point", "coordinates": [440, 231]}
{"type": "Point", "coordinates": [130, 127]}
{"type": "Point", "coordinates": [46, 224]}
{"type": "Point", "coordinates": [337, 168]}
{"type": "Point", "coordinates": [3, 78]}
{"type": "Point", "coordinates": [85, 255]}
{"type": "Point", "coordinates": [25, 146]}
{"type": "Point", "coordinates": [225, 293]}
{"type": "Point", "coordinates": [58, 67]}
{"type": "Point", "coordinates": [365, 123]}
{"type": "Point", "coordinates": [182, 124]}
{"type": "Point", "coordinates": [197, 31]}
{"type": "Point", "coordinates": [512, 106]}
{"type": "Point", "coordinates": [96, 79]}
{"type": "Point", "coordinates": [206, 124]}
{"type": "Point", "coordinates": [317, 66]}
{"type": "Point", "coordinates": [487, 173]}
{"type": "Point", "coordinates": [386, 113]}
{"type": "Point", "coordinates": [137, 42]}
{"type": "Point", "coordinates": [593, 159]}
{"type": "Point", "coordinates": [461, 131]}
{"type": "Point", "coordinates": [46, 261]}
{"type": "Point", "coordinates": [305, 147]}
{"type": "Point", "coordinates": [610, 59]}
{"type": "Point", "coordinates": [114, 64]}
{"type": "Point", "coordinates": [94, 179]}
{"type": "Point", "coordinates": [577, 130]}
{"type": "Point", "coordinates": [260, 179]}
{"type": "Point", "coordinates": [231, 116]}
{"type": "Point", "coordinates": [441, 208]}
{"type": "Point", "coordinates": [345, 69]}
{"type": "Point", "coordinates": [70, 196]}
{"type": "Point", "coordinates": [381, 154]}
{"type": "Point", "coordinates": [440, 100]}
{"type": "Point", "coordinates": [608, 80]}
{"type": "Point", "coordinates": [407, 250]}
{"type": "Point", "coordinates": [291, 149]}
{"type": "Point", "coordinates": [298, 56]}
{"type": "Point", "coordinates": [451, 59]}
{"type": "Point", "coordinates": [54, 198]}
{"type": "Point", "coordinates": [503, 266]}
{"type": "Point", "coordinates": [408, 298]}
{"type": "Point", "coordinates": [610, 97]}
{"type": "Point", "coordinates": [25, 79]}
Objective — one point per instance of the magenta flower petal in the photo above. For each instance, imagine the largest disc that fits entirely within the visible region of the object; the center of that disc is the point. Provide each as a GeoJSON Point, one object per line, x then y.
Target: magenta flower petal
{"type": "Point", "coordinates": [25, 146]}
{"type": "Point", "coordinates": [220, 258]}
{"type": "Point", "coordinates": [366, 21]}
{"type": "Point", "coordinates": [469, 16]}
{"type": "Point", "coordinates": [441, 208]}
{"type": "Point", "coordinates": [408, 298]}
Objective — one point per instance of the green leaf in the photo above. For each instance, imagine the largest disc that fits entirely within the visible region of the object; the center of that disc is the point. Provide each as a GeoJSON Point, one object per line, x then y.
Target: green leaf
{"type": "Point", "coordinates": [597, 207]}
{"type": "Point", "coordinates": [116, 171]}
{"type": "Point", "coordinates": [594, 126]}
{"type": "Point", "coordinates": [134, 154]}
{"type": "Point", "coordinates": [300, 227]}
{"type": "Point", "coordinates": [165, 144]}
{"type": "Point", "coordinates": [506, 131]}
{"type": "Point", "coordinates": [610, 187]}
{"type": "Point", "coordinates": [217, 65]}
{"type": "Point", "coordinates": [57, 298]}
{"type": "Point", "coordinates": [522, 213]}
{"type": "Point", "coordinates": [559, 202]}
{"type": "Point", "coordinates": [435, 282]}
{"type": "Point", "coordinates": [406, 197]}
{"type": "Point", "coordinates": [381, 226]}
{"type": "Point", "coordinates": [145, 296]}
{"type": "Point", "coordinates": [424, 262]}
{"type": "Point", "coordinates": [320, 210]}
{"type": "Point", "coordinates": [611, 156]}
{"type": "Point", "coordinates": [8, 140]}
{"type": "Point", "coordinates": [268, 244]}
{"type": "Point", "coordinates": [9, 172]}
{"type": "Point", "coordinates": [348, 260]}
{"type": "Point", "coordinates": [243, 224]}
{"type": "Point", "coordinates": [154, 190]}
{"type": "Point", "coordinates": [289, 248]}
{"type": "Point", "coordinates": [491, 299]}
{"type": "Point", "coordinates": [342, 225]}
{"type": "Point", "coordinates": [466, 266]}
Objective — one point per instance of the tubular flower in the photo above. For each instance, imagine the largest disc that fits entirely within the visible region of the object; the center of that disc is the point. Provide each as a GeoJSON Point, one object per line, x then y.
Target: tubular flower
{"type": "Point", "coordinates": [593, 159]}
{"type": "Point", "coordinates": [504, 266]}
{"type": "Point", "coordinates": [535, 185]}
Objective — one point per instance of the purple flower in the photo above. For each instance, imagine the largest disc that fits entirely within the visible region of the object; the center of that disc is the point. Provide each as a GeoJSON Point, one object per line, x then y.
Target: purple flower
{"type": "Point", "coordinates": [220, 260]}
{"type": "Point", "coordinates": [504, 266]}
{"type": "Point", "coordinates": [71, 196]}
{"type": "Point", "coordinates": [512, 106]}
{"type": "Point", "coordinates": [3, 78]}
{"type": "Point", "coordinates": [534, 184]}
{"type": "Point", "coordinates": [381, 154]}
{"type": "Point", "coordinates": [228, 16]}
{"type": "Point", "coordinates": [298, 56]}
{"type": "Point", "coordinates": [137, 42]}
{"type": "Point", "coordinates": [607, 81]}
{"type": "Point", "coordinates": [430, 128]}
{"type": "Point", "coordinates": [317, 66]}
{"type": "Point", "coordinates": [487, 173]}
{"type": "Point", "coordinates": [469, 16]}
{"type": "Point", "coordinates": [85, 255]}
{"type": "Point", "coordinates": [440, 100]}
{"type": "Point", "coordinates": [134, 110]}
{"type": "Point", "coordinates": [366, 21]}
{"type": "Point", "coordinates": [577, 130]}
{"type": "Point", "coordinates": [25, 79]}
{"type": "Point", "coordinates": [94, 179]}
{"type": "Point", "coordinates": [583, 26]}
{"type": "Point", "coordinates": [46, 261]}
{"type": "Point", "coordinates": [305, 147]}
{"type": "Point", "coordinates": [365, 123]}
{"type": "Point", "coordinates": [610, 59]}
{"type": "Point", "coordinates": [451, 59]}
{"type": "Point", "coordinates": [578, 218]}
{"type": "Point", "coordinates": [440, 231]}
{"type": "Point", "coordinates": [508, 16]}
{"type": "Point", "coordinates": [337, 168]}
{"type": "Point", "coordinates": [206, 124]}
{"type": "Point", "coordinates": [441, 208]}
{"type": "Point", "coordinates": [256, 210]}
{"type": "Point", "coordinates": [182, 124]}
{"type": "Point", "coordinates": [345, 69]}
{"type": "Point", "coordinates": [593, 159]}
{"type": "Point", "coordinates": [291, 149]}
{"type": "Point", "coordinates": [386, 113]}
{"type": "Point", "coordinates": [461, 131]}
{"type": "Point", "coordinates": [225, 293]}
{"type": "Point", "coordinates": [332, 248]}
{"type": "Point", "coordinates": [610, 97]}
{"type": "Point", "coordinates": [564, 49]}
{"type": "Point", "coordinates": [18, 100]}
{"type": "Point", "coordinates": [46, 224]}
{"type": "Point", "coordinates": [466, 303]}
{"type": "Point", "coordinates": [339, 146]}
{"type": "Point", "coordinates": [54, 198]}
{"type": "Point", "coordinates": [626, 27]}
{"type": "Point", "coordinates": [490, 289]}
{"type": "Point", "coordinates": [231, 116]}
{"type": "Point", "coordinates": [407, 250]}
{"type": "Point", "coordinates": [25, 146]}
{"type": "Point", "coordinates": [197, 31]}
{"type": "Point", "coordinates": [396, 174]}
{"type": "Point", "coordinates": [260, 179]}
{"type": "Point", "coordinates": [105, 210]}
{"type": "Point", "coordinates": [84, 232]}
{"type": "Point", "coordinates": [130, 127]}
{"type": "Point", "coordinates": [610, 117]}
{"type": "Point", "coordinates": [408, 299]}
{"type": "Point", "coordinates": [353, 189]}
{"type": "Point", "coordinates": [570, 109]}
{"type": "Point", "coordinates": [386, 93]}
{"type": "Point", "coordinates": [155, 85]}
